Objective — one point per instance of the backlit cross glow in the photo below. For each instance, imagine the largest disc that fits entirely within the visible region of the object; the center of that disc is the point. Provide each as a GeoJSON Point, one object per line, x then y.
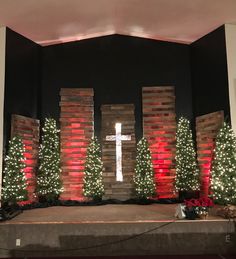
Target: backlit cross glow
{"type": "Point", "coordinates": [118, 138]}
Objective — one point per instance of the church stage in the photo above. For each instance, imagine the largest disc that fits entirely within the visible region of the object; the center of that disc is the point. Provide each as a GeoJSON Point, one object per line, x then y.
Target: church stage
{"type": "Point", "coordinates": [114, 230]}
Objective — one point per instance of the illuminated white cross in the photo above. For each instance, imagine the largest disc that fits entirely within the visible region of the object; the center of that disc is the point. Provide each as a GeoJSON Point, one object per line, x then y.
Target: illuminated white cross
{"type": "Point", "coordinates": [118, 138]}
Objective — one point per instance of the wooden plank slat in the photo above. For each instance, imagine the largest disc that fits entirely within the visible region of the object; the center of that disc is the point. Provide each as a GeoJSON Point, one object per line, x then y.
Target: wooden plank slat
{"type": "Point", "coordinates": [207, 127]}
{"type": "Point", "coordinates": [77, 128]}
{"type": "Point", "coordinates": [123, 113]}
{"type": "Point", "coordinates": [159, 127]}
{"type": "Point", "coordinates": [28, 129]}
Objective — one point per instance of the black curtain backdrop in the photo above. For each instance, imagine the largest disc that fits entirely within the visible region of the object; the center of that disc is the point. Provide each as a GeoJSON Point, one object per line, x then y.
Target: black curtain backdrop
{"type": "Point", "coordinates": [22, 79]}
{"type": "Point", "coordinates": [117, 67]}
{"type": "Point", "coordinates": [209, 74]}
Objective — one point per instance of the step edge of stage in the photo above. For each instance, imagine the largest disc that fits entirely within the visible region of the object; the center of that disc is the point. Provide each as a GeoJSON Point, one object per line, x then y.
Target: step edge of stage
{"type": "Point", "coordinates": [111, 222]}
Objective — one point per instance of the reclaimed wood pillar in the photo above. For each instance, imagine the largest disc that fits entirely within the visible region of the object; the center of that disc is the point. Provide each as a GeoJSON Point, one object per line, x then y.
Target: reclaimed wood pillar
{"type": "Point", "coordinates": [28, 130]}
{"type": "Point", "coordinates": [77, 128]}
{"type": "Point", "coordinates": [159, 127]}
{"type": "Point", "coordinates": [207, 127]}
{"type": "Point", "coordinates": [124, 114]}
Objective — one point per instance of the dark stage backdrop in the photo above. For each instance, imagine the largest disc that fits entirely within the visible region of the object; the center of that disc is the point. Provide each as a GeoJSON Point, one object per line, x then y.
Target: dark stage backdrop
{"type": "Point", "coordinates": [22, 80]}
{"type": "Point", "coordinates": [209, 74]}
{"type": "Point", "coordinates": [116, 67]}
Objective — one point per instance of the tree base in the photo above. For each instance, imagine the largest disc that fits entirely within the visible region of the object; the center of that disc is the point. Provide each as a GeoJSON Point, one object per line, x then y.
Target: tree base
{"type": "Point", "coordinates": [97, 199]}
{"type": "Point", "coordinates": [144, 201]}
{"type": "Point", "coordinates": [9, 211]}
{"type": "Point", "coordinates": [48, 199]}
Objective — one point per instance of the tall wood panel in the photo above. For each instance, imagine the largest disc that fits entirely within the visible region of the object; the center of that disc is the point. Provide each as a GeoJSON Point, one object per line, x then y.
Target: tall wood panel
{"type": "Point", "coordinates": [124, 114]}
{"type": "Point", "coordinates": [28, 130]}
{"type": "Point", "coordinates": [159, 127]}
{"type": "Point", "coordinates": [207, 127]}
{"type": "Point", "coordinates": [77, 128]}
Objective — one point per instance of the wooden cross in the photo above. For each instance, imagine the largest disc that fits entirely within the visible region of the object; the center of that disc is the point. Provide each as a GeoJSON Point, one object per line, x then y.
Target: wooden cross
{"type": "Point", "coordinates": [118, 138]}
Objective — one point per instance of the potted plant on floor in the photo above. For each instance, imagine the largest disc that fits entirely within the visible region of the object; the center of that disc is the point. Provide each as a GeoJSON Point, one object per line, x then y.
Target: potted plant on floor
{"type": "Point", "coordinates": [198, 207]}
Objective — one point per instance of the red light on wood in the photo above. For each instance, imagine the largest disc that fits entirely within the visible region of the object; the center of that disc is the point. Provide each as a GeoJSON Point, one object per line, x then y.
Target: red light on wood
{"type": "Point", "coordinates": [207, 127]}
{"type": "Point", "coordinates": [74, 150]}
{"type": "Point", "coordinates": [28, 155]}
{"type": "Point", "coordinates": [28, 147]}
{"type": "Point", "coordinates": [76, 130]}
{"type": "Point", "coordinates": [79, 144]}
{"type": "Point", "coordinates": [159, 127]}
{"type": "Point", "coordinates": [28, 130]}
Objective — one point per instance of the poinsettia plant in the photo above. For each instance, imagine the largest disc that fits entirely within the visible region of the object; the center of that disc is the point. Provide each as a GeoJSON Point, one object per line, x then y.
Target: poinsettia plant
{"type": "Point", "coordinates": [200, 205]}
{"type": "Point", "coordinates": [201, 202]}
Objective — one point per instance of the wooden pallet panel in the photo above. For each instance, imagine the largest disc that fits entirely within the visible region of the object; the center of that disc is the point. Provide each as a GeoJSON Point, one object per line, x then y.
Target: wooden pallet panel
{"type": "Point", "coordinates": [207, 127]}
{"type": "Point", "coordinates": [111, 114]}
{"type": "Point", "coordinates": [159, 128]}
{"type": "Point", "coordinates": [28, 129]}
{"type": "Point", "coordinates": [77, 128]}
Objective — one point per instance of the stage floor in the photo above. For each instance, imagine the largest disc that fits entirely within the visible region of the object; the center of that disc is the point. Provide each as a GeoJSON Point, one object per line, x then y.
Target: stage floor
{"type": "Point", "coordinates": [102, 214]}
{"type": "Point", "coordinates": [114, 230]}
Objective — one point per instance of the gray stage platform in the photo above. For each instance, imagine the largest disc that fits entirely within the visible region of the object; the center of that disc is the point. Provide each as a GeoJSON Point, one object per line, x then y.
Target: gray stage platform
{"type": "Point", "coordinates": [114, 230]}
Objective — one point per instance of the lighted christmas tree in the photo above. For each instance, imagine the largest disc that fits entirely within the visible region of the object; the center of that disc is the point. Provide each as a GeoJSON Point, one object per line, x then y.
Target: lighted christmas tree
{"type": "Point", "coordinates": [93, 185]}
{"type": "Point", "coordinates": [14, 180]}
{"type": "Point", "coordinates": [144, 174]}
{"type": "Point", "coordinates": [224, 167]}
{"type": "Point", "coordinates": [49, 184]}
{"type": "Point", "coordinates": [187, 171]}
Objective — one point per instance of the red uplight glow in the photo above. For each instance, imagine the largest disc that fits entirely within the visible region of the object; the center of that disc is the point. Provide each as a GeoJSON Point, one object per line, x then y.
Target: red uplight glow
{"type": "Point", "coordinates": [207, 127]}
{"type": "Point", "coordinates": [28, 130]}
{"type": "Point", "coordinates": [76, 131]}
{"type": "Point", "coordinates": [159, 126]}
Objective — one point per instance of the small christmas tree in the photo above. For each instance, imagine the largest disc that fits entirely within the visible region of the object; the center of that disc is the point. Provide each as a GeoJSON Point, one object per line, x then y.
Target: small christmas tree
{"type": "Point", "coordinates": [49, 184]}
{"type": "Point", "coordinates": [224, 167]}
{"type": "Point", "coordinates": [144, 174]}
{"type": "Point", "coordinates": [187, 171]}
{"type": "Point", "coordinates": [14, 180]}
{"type": "Point", "coordinates": [93, 185]}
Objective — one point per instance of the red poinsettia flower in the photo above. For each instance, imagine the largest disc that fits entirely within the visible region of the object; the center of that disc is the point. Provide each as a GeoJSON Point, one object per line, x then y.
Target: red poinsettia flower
{"type": "Point", "coordinates": [191, 203]}
{"type": "Point", "coordinates": [202, 202]}
{"type": "Point", "coordinates": [206, 202]}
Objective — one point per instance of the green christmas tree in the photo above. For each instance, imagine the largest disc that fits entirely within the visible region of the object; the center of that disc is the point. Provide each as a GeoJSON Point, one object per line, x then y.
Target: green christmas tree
{"type": "Point", "coordinates": [224, 167]}
{"type": "Point", "coordinates": [49, 184]}
{"type": "Point", "coordinates": [144, 174]}
{"type": "Point", "coordinates": [93, 185]}
{"type": "Point", "coordinates": [187, 171]}
{"type": "Point", "coordinates": [14, 180]}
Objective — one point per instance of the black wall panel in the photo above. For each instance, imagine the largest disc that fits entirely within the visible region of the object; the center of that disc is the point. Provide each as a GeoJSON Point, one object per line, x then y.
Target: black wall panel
{"type": "Point", "coordinates": [22, 78]}
{"type": "Point", "coordinates": [116, 67]}
{"type": "Point", "coordinates": [209, 74]}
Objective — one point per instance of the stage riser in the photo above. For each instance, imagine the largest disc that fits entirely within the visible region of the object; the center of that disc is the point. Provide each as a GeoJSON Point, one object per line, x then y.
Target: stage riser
{"type": "Point", "coordinates": [194, 237]}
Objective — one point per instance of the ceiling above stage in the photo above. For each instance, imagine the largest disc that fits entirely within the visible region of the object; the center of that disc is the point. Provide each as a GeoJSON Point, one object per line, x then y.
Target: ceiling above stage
{"type": "Point", "coordinates": [54, 21]}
